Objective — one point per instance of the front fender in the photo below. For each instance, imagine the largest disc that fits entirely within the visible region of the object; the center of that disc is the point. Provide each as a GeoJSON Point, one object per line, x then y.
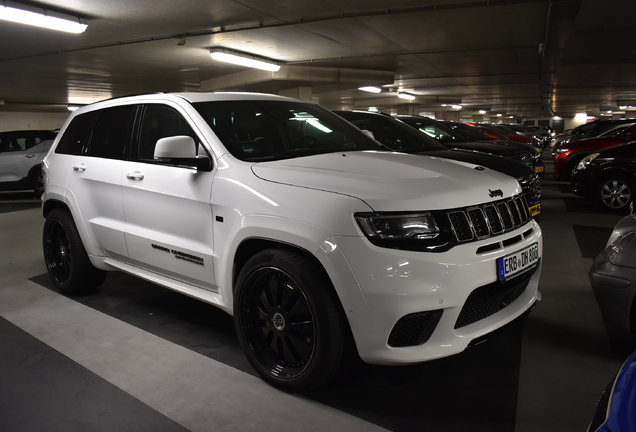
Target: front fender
{"type": "Point", "coordinates": [300, 235]}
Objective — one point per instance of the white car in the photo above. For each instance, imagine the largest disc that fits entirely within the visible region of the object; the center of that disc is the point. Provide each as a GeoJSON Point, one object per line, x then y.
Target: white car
{"type": "Point", "coordinates": [21, 153]}
{"type": "Point", "coordinates": [294, 221]}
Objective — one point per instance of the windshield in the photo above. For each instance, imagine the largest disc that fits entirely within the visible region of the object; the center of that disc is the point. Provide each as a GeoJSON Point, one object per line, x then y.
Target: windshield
{"type": "Point", "coordinates": [616, 130]}
{"type": "Point", "coordinates": [470, 132]}
{"type": "Point", "coordinates": [393, 133]}
{"type": "Point", "coordinates": [272, 130]}
{"type": "Point", "coordinates": [435, 130]}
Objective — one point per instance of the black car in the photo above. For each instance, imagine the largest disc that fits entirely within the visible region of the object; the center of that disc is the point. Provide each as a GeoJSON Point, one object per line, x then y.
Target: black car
{"type": "Point", "coordinates": [398, 136]}
{"type": "Point", "coordinates": [608, 176]}
{"type": "Point", "coordinates": [586, 130]}
{"type": "Point", "coordinates": [464, 137]}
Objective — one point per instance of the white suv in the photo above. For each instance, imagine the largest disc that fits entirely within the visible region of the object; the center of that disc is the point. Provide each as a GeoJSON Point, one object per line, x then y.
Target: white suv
{"type": "Point", "coordinates": [294, 221]}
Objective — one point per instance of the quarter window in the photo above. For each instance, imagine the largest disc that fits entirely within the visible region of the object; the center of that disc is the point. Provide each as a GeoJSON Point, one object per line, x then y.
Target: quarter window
{"type": "Point", "coordinates": [112, 132]}
{"type": "Point", "coordinates": [77, 133]}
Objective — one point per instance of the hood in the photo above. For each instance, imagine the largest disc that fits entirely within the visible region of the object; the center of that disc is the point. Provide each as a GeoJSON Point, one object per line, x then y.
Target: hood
{"type": "Point", "coordinates": [498, 163]}
{"type": "Point", "coordinates": [392, 181]}
{"type": "Point", "coordinates": [496, 147]}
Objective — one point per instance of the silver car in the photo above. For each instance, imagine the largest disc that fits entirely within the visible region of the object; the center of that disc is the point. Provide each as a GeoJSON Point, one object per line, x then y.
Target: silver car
{"type": "Point", "coordinates": [613, 277]}
{"type": "Point", "coordinates": [21, 153]}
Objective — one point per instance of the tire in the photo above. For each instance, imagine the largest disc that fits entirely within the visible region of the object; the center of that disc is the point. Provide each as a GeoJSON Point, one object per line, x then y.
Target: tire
{"type": "Point", "coordinates": [37, 182]}
{"type": "Point", "coordinates": [289, 320]}
{"type": "Point", "coordinates": [615, 193]}
{"type": "Point", "coordinates": [66, 260]}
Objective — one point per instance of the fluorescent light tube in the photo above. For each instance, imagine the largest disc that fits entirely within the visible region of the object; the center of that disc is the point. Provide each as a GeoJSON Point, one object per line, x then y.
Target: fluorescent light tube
{"type": "Point", "coordinates": [41, 20]}
{"type": "Point", "coordinates": [244, 61]}
{"type": "Point", "coordinates": [370, 89]}
{"type": "Point", "coordinates": [406, 96]}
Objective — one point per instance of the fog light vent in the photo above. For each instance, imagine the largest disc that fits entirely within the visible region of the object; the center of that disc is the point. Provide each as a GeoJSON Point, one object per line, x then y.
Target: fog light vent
{"type": "Point", "coordinates": [414, 329]}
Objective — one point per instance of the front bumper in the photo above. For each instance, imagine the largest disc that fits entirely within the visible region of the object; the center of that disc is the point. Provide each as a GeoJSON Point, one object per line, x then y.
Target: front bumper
{"type": "Point", "coordinates": [398, 285]}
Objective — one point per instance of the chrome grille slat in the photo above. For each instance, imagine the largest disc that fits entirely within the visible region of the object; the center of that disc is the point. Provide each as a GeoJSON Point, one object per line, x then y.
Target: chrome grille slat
{"type": "Point", "coordinates": [488, 220]}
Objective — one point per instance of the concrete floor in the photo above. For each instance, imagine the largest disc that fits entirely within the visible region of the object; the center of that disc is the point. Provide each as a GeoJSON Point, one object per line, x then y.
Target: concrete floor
{"type": "Point", "coordinates": [136, 357]}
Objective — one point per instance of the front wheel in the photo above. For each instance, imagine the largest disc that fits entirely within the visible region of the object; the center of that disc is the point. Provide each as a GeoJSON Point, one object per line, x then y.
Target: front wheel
{"type": "Point", "coordinates": [289, 320]}
{"type": "Point", "coordinates": [615, 193]}
{"type": "Point", "coordinates": [66, 260]}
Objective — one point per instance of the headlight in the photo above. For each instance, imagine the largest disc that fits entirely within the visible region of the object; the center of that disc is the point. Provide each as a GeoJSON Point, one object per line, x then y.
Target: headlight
{"type": "Point", "coordinates": [586, 161]}
{"type": "Point", "coordinates": [619, 252]}
{"type": "Point", "coordinates": [414, 231]}
{"type": "Point", "coordinates": [390, 226]}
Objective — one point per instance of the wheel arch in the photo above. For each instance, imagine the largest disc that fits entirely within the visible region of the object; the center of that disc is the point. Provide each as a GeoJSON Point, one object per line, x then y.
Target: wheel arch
{"type": "Point", "coordinates": [50, 205]}
{"type": "Point", "coordinates": [255, 233]}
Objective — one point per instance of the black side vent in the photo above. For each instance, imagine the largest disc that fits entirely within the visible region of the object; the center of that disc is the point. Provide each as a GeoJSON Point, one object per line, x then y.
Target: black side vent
{"type": "Point", "coordinates": [414, 329]}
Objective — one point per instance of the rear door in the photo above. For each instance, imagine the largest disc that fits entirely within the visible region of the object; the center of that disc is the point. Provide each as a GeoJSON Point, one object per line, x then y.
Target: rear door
{"type": "Point", "coordinates": [169, 225]}
{"type": "Point", "coordinates": [97, 143]}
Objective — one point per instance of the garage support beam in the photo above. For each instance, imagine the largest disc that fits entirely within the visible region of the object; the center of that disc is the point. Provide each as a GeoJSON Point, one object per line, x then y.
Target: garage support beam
{"type": "Point", "coordinates": [300, 74]}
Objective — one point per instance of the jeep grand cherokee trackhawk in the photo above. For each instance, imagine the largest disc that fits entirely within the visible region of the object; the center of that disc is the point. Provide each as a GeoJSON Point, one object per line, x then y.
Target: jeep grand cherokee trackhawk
{"type": "Point", "coordinates": [294, 221]}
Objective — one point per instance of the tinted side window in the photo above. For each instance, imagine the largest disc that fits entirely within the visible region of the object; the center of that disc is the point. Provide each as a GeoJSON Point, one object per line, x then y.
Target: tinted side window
{"type": "Point", "coordinates": [76, 135]}
{"type": "Point", "coordinates": [160, 121]}
{"type": "Point", "coordinates": [112, 132]}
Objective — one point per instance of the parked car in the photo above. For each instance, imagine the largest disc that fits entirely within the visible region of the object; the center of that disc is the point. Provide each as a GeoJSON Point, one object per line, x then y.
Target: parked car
{"type": "Point", "coordinates": [537, 139]}
{"type": "Point", "coordinates": [297, 223]}
{"type": "Point", "coordinates": [567, 157]}
{"type": "Point", "coordinates": [432, 140]}
{"type": "Point", "coordinates": [21, 153]}
{"type": "Point", "coordinates": [615, 409]}
{"type": "Point", "coordinates": [475, 135]}
{"type": "Point", "coordinates": [586, 130]}
{"type": "Point", "coordinates": [511, 134]}
{"type": "Point", "coordinates": [613, 278]}
{"type": "Point", "coordinates": [609, 177]}
{"type": "Point", "coordinates": [461, 136]}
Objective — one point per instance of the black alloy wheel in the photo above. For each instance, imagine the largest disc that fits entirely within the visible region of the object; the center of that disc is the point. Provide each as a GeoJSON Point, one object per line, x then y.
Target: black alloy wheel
{"type": "Point", "coordinates": [37, 183]}
{"type": "Point", "coordinates": [615, 193]}
{"type": "Point", "coordinates": [289, 320]}
{"type": "Point", "coordinates": [66, 260]}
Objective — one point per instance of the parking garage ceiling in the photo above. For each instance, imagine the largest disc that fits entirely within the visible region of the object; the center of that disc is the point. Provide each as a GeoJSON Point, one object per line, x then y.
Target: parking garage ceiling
{"type": "Point", "coordinates": [527, 58]}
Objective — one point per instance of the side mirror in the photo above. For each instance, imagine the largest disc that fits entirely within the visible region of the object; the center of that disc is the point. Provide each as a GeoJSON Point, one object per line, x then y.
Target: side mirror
{"type": "Point", "coordinates": [180, 150]}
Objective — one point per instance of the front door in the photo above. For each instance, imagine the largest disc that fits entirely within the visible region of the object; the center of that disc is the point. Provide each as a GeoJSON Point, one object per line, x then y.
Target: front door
{"type": "Point", "coordinates": [168, 213]}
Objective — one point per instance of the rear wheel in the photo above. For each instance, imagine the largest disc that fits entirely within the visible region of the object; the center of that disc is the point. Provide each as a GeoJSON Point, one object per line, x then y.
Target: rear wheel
{"type": "Point", "coordinates": [615, 193]}
{"type": "Point", "coordinates": [289, 320]}
{"type": "Point", "coordinates": [66, 260]}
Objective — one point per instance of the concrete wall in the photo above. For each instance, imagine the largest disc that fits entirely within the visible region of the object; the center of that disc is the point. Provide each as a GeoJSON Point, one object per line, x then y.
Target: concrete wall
{"type": "Point", "coordinates": [29, 120]}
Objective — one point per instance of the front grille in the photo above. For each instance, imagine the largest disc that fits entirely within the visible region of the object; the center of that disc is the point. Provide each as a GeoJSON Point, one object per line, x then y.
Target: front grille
{"type": "Point", "coordinates": [487, 220]}
{"type": "Point", "coordinates": [414, 329]}
{"type": "Point", "coordinates": [490, 299]}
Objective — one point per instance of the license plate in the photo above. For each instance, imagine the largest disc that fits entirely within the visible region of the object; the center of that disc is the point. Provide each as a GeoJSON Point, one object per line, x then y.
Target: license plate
{"type": "Point", "coordinates": [518, 262]}
{"type": "Point", "coordinates": [539, 169]}
{"type": "Point", "coordinates": [535, 209]}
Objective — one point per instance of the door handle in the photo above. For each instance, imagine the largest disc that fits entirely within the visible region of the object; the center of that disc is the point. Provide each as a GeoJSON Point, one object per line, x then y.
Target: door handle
{"type": "Point", "coordinates": [29, 156]}
{"type": "Point", "coordinates": [79, 167]}
{"type": "Point", "coordinates": [135, 175]}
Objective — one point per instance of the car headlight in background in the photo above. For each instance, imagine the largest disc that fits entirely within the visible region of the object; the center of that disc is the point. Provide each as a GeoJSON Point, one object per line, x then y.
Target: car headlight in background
{"type": "Point", "coordinates": [586, 161]}
{"type": "Point", "coordinates": [622, 252]}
